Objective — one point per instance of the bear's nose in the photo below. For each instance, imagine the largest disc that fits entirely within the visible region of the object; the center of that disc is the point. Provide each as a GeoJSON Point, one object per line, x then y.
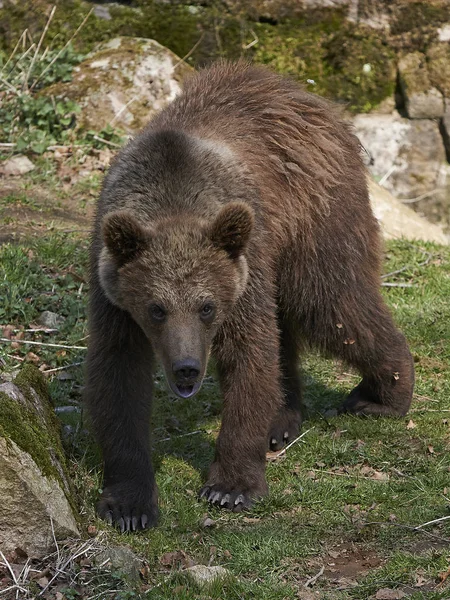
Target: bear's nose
{"type": "Point", "coordinates": [188, 369]}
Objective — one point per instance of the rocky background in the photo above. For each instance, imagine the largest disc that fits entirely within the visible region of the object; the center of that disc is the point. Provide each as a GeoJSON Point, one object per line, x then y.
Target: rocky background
{"type": "Point", "coordinates": [386, 61]}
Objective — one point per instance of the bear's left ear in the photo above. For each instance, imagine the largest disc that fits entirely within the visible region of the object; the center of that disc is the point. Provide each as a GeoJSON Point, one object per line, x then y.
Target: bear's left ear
{"type": "Point", "coordinates": [232, 227]}
{"type": "Point", "coordinates": [124, 236]}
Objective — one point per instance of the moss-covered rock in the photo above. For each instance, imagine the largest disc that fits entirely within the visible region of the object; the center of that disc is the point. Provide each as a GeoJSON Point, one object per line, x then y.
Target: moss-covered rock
{"type": "Point", "coordinates": [123, 84]}
{"type": "Point", "coordinates": [422, 99]}
{"type": "Point", "coordinates": [36, 499]}
{"type": "Point", "coordinates": [438, 58]}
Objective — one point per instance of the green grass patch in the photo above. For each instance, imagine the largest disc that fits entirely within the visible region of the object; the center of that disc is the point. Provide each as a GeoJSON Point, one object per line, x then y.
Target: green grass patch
{"type": "Point", "coordinates": [358, 484]}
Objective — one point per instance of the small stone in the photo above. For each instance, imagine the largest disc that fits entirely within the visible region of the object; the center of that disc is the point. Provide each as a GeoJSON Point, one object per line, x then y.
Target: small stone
{"type": "Point", "coordinates": [17, 165]}
{"type": "Point", "coordinates": [203, 575]}
{"type": "Point", "coordinates": [122, 559]}
{"type": "Point", "coordinates": [51, 320]}
{"type": "Point", "coordinates": [208, 522]}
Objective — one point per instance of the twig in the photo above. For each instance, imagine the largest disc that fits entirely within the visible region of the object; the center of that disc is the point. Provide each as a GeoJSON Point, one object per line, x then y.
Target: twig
{"type": "Point", "coordinates": [8, 566]}
{"type": "Point", "coordinates": [13, 53]}
{"type": "Point", "coordinates": [38, 47]}
{"type": "Point", "coordinates": [43, 344]}
{"type": "Point", "coordinates": [62, 49]}
{"type": "Point", "coordinates": [54, 539]}
{"type": "Point", "coordinates": [312, 580]}
{"type": "Point", "coordinates": [421, 197]}
{"type": "Point", "coordinates": [81, 551]}
{"type": "Point", "coordinates": [410, 527]}
{"type": "Point", "coordinates": [400, 285]}
{"type": "Point", "coordinates": [432, 522]}
{"type": "Point", "coordinates": [174, 437]}
{"type": "Point", "coordinates": [253, 42]}
{"type": "Point", "coordinates": [438, 410]}
{"type": "Point", "coordinates": [124, 107]}
{"type": "Point", "coordinates": [100, 139]}
{"type": "Point", "coordinates": [75, 364]}
{"type": "Point", "coordinates": [9, 86]}
{"type": "Point", "coordinates": [387, 175]}
{"type": "Point", "coordinates": [284, 450]}
{"type": "Point", "coordinates": [422, 264]}
{"type": "Point", "coordinates": [193, 49]}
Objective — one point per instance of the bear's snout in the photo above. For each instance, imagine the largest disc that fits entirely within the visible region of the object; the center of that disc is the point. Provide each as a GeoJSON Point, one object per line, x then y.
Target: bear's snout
{"type": "Point", "coordinates": [186, 373]}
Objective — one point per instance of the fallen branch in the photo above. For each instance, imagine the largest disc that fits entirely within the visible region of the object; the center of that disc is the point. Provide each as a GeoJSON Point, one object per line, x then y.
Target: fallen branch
{"type": "Point", "coordinates": [422, 264]}
{"type": "Point", "coordinates": [8, 341]}
{"type": "Point", "coordinates": [400, 285]}
{"type": "Point", "coordinates": [312, 580]}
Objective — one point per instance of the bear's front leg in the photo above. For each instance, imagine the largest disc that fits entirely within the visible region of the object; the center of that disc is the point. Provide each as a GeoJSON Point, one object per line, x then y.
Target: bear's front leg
{"type": "Point", "coordinates": [247, 353]}
{"type": "Point", "coordinates": [118, 394]}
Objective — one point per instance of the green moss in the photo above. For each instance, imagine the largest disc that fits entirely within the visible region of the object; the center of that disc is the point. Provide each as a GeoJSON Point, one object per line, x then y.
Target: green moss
{"type": "Point", "coordinates": [37, 434]}
{"type": "Point", "coordinates": [416, 15]}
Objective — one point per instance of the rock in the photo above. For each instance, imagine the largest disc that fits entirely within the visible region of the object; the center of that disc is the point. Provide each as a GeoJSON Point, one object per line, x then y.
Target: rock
{"type": "Point", "coordinates": [124, 83]}
{"type": "Point", "coordinates": [422, 100]}
{"type": "Point", "coordinates": [51, 320]}
{"type": "Point", "coordinates": [438, 61]}
{"type": "Point", "coordinates": [444, 33]}
{"type": "Point", "coordinates": [17, 165]}
{"type": "Point", "coordinates": [409, 157]}
{"type": "Point", "coordinates": [203, 575]}
{"type": "Point", "coordinates": [122, 560]}
{"type": "Point", "coordinates": [399, 221]}
{"type": "Point", "coordinates": [35, 496]}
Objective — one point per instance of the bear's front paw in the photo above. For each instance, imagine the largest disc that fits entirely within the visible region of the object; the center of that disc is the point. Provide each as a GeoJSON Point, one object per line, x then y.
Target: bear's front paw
{"type": "Point", "coordinates": [129, 506]}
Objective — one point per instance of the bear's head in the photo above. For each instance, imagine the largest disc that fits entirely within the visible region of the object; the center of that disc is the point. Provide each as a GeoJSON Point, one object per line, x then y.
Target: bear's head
{"type": "Point", "coordinates": [179, 279]}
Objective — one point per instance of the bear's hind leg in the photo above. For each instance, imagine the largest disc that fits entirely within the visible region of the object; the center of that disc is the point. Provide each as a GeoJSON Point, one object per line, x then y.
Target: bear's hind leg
{"type": "Point", "coordinates": [361, 331]}
{"type": "Point", "coordinates": [287, 422]}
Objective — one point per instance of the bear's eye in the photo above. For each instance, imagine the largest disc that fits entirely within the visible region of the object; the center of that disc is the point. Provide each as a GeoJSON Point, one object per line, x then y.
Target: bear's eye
{"type": "Point", "coordinates": [157, 313]}
{"type": "Point", "coordinates": [207, 311]}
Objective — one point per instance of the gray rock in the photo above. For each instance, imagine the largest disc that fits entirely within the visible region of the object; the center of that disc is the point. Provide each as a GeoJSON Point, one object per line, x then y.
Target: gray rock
{"type": "Point", "coordinates": [409, 157]}
{"type": "Point", "coordinates": [120, 559]}
{"type": "Point", "coordinates": [124, 83]}
{"type": "Point", "coordinates": [51, 320]}
{"type": "Point", "coordinates": [17, 165]}
{"type": "Point", "coordinates": [422, 99]}
{"type": "Point", "coordinates": [204, 575]}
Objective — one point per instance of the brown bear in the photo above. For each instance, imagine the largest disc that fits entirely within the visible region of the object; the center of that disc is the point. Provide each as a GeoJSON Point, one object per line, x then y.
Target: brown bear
{"type": "Point", "coordinates": [237, 224]}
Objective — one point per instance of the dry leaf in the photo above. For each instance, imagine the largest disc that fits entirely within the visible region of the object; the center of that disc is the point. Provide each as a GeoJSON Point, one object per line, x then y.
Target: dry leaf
{"type": "Point", "coordinates": [349, 341]}
{"type": "Point", "coordinates": [339, 325]}
{"type": "Point", "coordinates": [411, 425]}
{"type": "Point", "coordinates": [396, 375]}
{"type": "Point", "coordinates": [431, 449]}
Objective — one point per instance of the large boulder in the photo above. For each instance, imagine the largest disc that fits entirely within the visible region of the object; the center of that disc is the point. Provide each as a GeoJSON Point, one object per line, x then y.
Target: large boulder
{"type": "Point", "coordinates": [36, 505]}
{"type": "Point", "coordinates": [409, 157]}
{"type": "Point", "coordinates": [399, 221]}
{"type": "Point", "coordinates": [124, 83]}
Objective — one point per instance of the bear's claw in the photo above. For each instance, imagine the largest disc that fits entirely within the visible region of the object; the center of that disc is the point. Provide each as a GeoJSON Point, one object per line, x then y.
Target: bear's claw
{"type": "Point", "coordinates": [236, 501]}
{"type": "Point", "coordinates": [128, 509]}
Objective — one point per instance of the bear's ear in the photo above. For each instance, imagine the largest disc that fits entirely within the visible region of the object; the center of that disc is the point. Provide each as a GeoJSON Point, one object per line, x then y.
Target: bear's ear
{"type": "Point", "coordinates": [232, 227]}
{"type": "Point", "coordinates": [124, 236]}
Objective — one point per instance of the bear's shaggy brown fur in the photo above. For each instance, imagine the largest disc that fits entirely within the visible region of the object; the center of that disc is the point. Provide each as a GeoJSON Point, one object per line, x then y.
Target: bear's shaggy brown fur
{"type": "Point", "coordinates": [237, 223]}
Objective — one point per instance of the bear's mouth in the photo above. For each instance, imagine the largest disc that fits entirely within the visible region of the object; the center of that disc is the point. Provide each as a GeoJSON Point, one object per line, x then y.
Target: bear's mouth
{"type": "Point", "coordinates": [185, 390]}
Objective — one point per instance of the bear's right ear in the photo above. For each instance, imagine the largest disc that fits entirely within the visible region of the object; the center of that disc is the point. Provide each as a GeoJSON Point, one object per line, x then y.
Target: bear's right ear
{"type": "Point", "coordinates": [124, 236]}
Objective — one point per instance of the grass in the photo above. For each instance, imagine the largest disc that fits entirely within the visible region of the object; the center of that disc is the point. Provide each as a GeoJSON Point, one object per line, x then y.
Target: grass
{"type": "Point", "coordinates": [350, 487]}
